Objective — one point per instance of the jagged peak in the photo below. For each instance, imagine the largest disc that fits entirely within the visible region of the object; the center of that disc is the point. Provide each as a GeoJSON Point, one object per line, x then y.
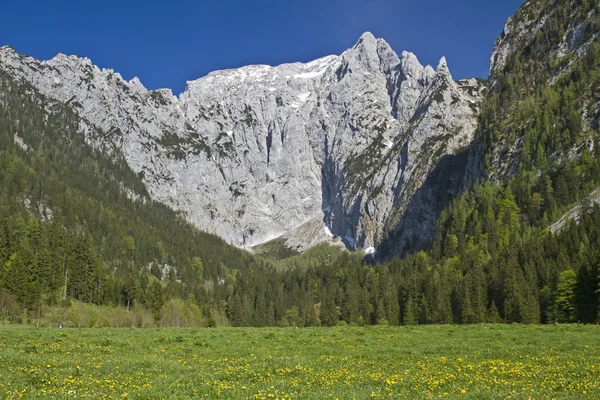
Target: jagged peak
{"type": "Point", "coordinates": [367, 44]}
{"type": "Point", "coordinates": [9, 52]}
{"type": "Point", "coordinates": [63, 59]}
{"type": "Point", "coordinates": [135, 81]}
{"type": "Point", "coordinates": [368, 37]}
{"type": "Point", "coordinates": [137, 85]}
{"type": "Point", "coordinates": [429, 69]}
{"type": "Point", "coordinates": [442, 65]}
{"type": "Point", "coordinates": [372, 54]}
{"type": "Point", "coordinates": [410, 64]}
{"type": "Point", "coordinates": [10, 56]}
{"type": "Point", "coordinates": [60, 56]}
{"type": "Point", "coordinates": [442, 68]}
{"type": "Point", "coordinates": [408, 55]}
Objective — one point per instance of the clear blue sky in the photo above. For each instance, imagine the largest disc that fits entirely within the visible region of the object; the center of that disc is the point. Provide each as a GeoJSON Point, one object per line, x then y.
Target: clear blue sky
{"type": "Point", "coordinates": [165, 43]}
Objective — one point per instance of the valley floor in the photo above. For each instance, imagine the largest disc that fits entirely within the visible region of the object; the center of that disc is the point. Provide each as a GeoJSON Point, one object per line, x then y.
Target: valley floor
{"type": "Point", "coordinates": [471, 362]}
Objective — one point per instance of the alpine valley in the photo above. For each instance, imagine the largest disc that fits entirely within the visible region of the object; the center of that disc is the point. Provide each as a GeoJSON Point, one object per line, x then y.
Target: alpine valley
{"type": "Point", "coordinates": [360, 188]}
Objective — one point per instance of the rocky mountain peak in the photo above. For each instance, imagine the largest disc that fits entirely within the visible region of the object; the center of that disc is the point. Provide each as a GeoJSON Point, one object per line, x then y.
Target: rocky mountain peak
{"type": "Point", "coordinates": [410, 65]}
{"type": "Point", "coordinates": [371, 54]}
{"type": "Point", "coordinates": [336, 147]}
{"type": "Point", "coordinates": [442, 66]}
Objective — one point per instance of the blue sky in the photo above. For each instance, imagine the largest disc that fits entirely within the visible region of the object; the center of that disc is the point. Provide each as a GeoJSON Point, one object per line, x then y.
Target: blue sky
{"type": "Point", "coordinates": [165, 43]}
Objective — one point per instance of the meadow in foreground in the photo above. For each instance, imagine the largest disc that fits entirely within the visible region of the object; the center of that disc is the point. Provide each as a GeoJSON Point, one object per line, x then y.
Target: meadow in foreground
{"type": "Point", "coordinates": [471, 362]}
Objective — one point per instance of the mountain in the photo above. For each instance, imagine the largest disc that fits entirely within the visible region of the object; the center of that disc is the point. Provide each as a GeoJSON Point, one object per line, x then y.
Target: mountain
{"type": "Point", "coordinates": [340, 144]}
{"type": "Point", "coordinates": [539, 50]}
{"type": "Point", "coordinates": [487, 190]}
{"type": "Point", "coordinates": [77, 224]}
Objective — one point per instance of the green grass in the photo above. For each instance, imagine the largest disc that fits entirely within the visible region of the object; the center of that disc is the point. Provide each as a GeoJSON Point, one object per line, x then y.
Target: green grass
{"type": "Point", "coordinates": [470, 362]}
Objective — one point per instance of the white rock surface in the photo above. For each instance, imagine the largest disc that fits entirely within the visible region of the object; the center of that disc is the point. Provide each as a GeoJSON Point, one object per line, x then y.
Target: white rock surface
{"type": "Point", "coordinates": [253, 153]}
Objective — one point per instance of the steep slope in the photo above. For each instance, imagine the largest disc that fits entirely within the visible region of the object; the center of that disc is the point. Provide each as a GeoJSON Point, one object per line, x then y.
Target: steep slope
{"type": "Point", "coordinates": [75, 222]}
{"type": "Point", "coordinates": [537, 85]}
{"type": "Point", "coordinates": [253, 153]}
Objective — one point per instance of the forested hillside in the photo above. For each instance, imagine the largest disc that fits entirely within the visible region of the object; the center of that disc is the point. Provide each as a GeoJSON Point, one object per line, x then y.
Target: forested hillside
{"type": "Point", "coordinates": [77, 226]}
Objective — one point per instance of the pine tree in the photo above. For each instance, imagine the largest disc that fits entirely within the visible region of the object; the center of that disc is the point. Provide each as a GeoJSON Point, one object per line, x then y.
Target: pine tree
{"type": "Point", "coordinates": [565, 296]}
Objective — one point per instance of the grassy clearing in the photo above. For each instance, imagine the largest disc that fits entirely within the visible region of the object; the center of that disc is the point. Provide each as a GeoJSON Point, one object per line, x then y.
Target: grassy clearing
{"type": "Point", "coordinates": [471, 362]}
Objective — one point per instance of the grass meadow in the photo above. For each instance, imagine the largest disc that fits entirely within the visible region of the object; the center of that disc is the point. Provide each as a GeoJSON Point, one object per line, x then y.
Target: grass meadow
{"type": "Point", "coordinates": [468, 362]}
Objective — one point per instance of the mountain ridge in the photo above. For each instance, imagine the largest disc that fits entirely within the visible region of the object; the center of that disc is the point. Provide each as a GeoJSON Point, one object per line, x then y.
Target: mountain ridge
{"type": "Point", "coordinates": [270, 148]}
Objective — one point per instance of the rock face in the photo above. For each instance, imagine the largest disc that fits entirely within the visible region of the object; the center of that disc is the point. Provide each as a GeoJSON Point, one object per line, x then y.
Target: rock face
{"type": "Point", "coordinates": [254, 153]}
